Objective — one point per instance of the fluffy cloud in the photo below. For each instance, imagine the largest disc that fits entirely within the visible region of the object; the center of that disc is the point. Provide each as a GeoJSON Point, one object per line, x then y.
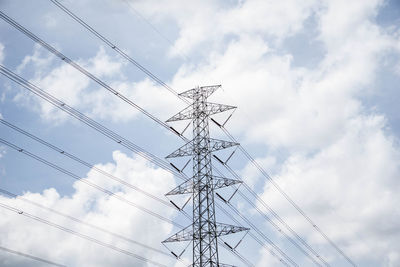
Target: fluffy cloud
{"type": "Point", "coordinates": [343, 163]}
{"type": "Point", "coordinates": [349, 188]}
{"type": "Point", "coordinates": [314, 103]}
{"type": "Point", "coordinates": [207, 24]}
{"type": "Point", "coordinates": [87, 204]}
{"type": "Point", "coordinates": [1, 53]}
{"type": "Point", "coordinates": [75, 89]}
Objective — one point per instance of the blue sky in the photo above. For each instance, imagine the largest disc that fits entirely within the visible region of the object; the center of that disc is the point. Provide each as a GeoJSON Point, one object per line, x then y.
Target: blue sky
{"type": "Point", "coordinates": [316, 85]}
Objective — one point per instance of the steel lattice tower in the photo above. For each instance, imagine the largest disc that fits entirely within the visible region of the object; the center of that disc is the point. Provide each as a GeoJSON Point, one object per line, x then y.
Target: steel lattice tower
{"type": "Point", "coordinates": [204, 231]}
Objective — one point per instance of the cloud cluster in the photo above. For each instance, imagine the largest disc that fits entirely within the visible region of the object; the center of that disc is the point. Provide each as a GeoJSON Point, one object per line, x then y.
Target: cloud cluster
{"type": "Point", "coordinates": [75, 89]}
{"type": "Point", "coordinates": [342, 164]}
{"type": "Point", "coordinates": [96, 208]}
{"type": "Point", "coordinates": [349, 188]}
{"type": "Point", "coordinates": [207, 24]}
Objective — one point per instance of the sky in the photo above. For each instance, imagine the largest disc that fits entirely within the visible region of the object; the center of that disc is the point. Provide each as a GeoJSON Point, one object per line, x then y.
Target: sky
{"type": "Point", "coordinates": [316, 86]}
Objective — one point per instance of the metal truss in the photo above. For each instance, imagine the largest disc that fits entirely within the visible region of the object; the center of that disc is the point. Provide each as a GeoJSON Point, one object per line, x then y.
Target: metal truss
{"type": "Point", "coordinates": [211, 108]}
{"type": "Point", "coordinates": [204, 91]}
{"type": "Point", "coordinates": [187, 233]}
{"type": "Point", "coordinates": [190, 148]}
{"type": "Point", "coordinates": [217, 182]}
{"type": "Point", "coordinates": [204, 231]}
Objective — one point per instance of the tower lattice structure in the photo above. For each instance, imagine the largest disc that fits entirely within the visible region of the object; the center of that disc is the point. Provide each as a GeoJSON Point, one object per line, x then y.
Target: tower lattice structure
{"type": "Point", "coordinates": [204, 230]}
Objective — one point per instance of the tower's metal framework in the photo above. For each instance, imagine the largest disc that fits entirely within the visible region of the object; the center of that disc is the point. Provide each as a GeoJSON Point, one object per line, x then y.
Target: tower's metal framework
{"type": "Point", "coordinates": [204, 231]}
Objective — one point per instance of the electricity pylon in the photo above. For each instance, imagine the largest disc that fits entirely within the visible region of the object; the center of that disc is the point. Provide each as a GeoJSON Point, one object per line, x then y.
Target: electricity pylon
{"type": "Point", "coordinates": [204, 231]}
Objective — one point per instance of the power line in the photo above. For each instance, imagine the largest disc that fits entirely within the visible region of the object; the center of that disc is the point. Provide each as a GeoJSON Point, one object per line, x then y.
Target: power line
{"type": "Point", "coordinates": [78, 220]}
{"type": "Point", "coordinates": [254, 237]}
{"type": "Point", "coordinates": [254, 227]}
{"type": "Point", "coordinates": [63, 57]}
{"type": "Point", "coordinates": [89, 238]}
{"type": "Point", "coordinates": [291, 240]}
{"type": "Point", "coordinates": [254, 162]}
{"type": "Point", "coordinates": [54, 51]}
{"type": "Point", "coordinates": [63, 152]}
{"type": "Point", "coordinates": [72, 218]}
{"type": "Point", "coordinates": [75, 176]}
{"type": "Point", "coordinates": [75, 219]}
{"type": "Point", "coordinates": [85, 163]}
{"type": "Point", "coordinates": [283, 222]}
{"type": "Point", "coordinates": [269, 241]}
{"type": "Point", "coordinates": [91, 166]}
{"type": "Point", "coordinates": [116, 48]}
{"type": "Point", "coordinates": [155, 78]}
{"type": "Point", "coordinates": [265, 216]}
{"type": "Point", "coordinates": [93, 124]}
{"type": "Point", "coordinates": [85, 119]}
{"type": "Point", "coordinates": [129, 3]}
{"type": "Point", "coordinates": [51, 99]}
{"type": "Point", "coordinates": [290, 200]}
{"type": "Point", "coordinates": [31, 257]}
{"type": "Point", "coordinates": [85, 181]}
{"type": "Point", "coordinates": [51, 49]}
{"type": "Point", "coordinates": [60, 104]}
{"type": "Point", "coordinates": [242, 258]}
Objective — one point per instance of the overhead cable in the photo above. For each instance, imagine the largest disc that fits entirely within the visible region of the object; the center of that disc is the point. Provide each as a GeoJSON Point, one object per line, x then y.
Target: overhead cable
{"type": "Point", "coordinates": [72, 218]}
{"type": "Point", "coordinates": [87, 182]}
{"type": "Point", "coordinates": [290, 200]}
{"type": "Point", "coordinates": [270, 221]}
{"type": "Point", "coordinates": [85, 119]}
{"type": "Point", "coordinates": [116, 48]}
{"type": "Point", "coordinates": [91, 123]}
{"type": "Point", "coordinates": [85, 163]}
{"type": "Point", "coordinates": [31, 257]}
{"type": "Point", "coordinates": [63, 152]}
{"type": "Point", "coordinates": [54, 51]}
{"type": "Point", "coordinates": [83, 236]}
{"type": "Point", "coordinates": [155, 78]}
{"type": "Point", "coordinates": [82, 70]}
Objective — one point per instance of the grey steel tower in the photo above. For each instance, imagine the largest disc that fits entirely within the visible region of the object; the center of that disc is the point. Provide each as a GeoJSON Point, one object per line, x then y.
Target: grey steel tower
{"type": "Point", "coordinates": [204, 231]}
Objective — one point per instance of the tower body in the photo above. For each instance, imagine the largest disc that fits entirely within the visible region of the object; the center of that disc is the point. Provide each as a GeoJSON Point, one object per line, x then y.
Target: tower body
{"type": "Point", "coordinates": [205, 249]}
{"type": "Point", "coordinates": [204, 230]}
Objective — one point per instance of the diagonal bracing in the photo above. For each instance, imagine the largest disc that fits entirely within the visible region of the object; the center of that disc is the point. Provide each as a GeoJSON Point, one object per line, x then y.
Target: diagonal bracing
{"type": "Point", "coordinates": [205, 230]}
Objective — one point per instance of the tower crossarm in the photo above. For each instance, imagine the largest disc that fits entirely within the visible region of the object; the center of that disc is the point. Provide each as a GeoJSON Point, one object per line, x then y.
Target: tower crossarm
{"type": "Point", "coordinates": [187, 233]}
{"type": "Point", "coordinates": [187, 187]}
{"type": "Point", "coordinates": [189, 149]}
{"type": "Point", "coordinates": [206, 91]}
{"type": "Point", "coordinates": [210, 109]}
{"type": "Point", "coordinates": [219, 265]}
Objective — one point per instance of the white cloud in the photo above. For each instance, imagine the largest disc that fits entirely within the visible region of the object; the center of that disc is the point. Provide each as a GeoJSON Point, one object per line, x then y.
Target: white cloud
{"type": "Point", "coordinates": [103, 65]}
{"type": "Point", "coordinates": [343, 165]}
{"type": "Point", "coordinates": [252, 175]}
{"type": "Point", "coordinates": [267, 260]}
{"type": "Point", "coordinates": [273, 18]}
{"type": "Point", "coordinates": [204, 25]}
{"type": "Point", "coordinates": [1, 53]}
{"type": "Point", "coordinates": [315, 103]}
{"type": "Point", "coordinates": [50, 21]}
{"type": "Point", "coordinates": [349, 189]}
{"type": "Point", "coordinates": [40, 60]}
{"type": "Point", "coordinates": [91, 206]}
{"type": "Point", "coordinates": [3, 151]}
{"type": "Point", "coordinates": [341, 20]}
{"type": "Point", "coordinates": [75, 89]}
